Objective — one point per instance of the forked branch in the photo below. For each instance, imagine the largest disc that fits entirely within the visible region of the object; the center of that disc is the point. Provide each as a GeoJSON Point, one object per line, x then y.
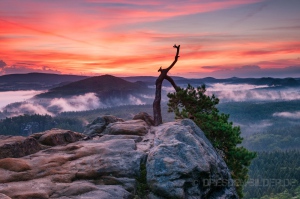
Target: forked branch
{"type": "Point", "coordinates": [163, 75]}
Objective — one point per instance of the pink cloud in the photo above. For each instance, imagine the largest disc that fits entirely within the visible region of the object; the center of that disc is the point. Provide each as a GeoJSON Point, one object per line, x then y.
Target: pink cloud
{"type": "Point", "coordinates": [96, 35]}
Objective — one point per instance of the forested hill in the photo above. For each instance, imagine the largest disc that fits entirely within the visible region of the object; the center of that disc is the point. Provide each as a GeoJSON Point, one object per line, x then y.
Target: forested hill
{"type": "Point", "coordinates": [104, 86]}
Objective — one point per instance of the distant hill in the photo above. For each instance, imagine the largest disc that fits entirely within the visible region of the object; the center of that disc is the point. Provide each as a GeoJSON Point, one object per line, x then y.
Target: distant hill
{"type": "Point", "coordinates": [276, 82]}
{"type": "Point", "coordinates": [148, 79]}
{"type": "Point", "coordinates": [104, 86]}
{"type": "Point", "coordinates": [35, 81]}
{"type": "Point", "coordinates": [45, 81]}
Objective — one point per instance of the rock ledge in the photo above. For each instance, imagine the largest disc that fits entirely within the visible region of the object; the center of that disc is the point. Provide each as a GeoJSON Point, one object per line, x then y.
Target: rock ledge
{"type": "Point", "coordinates": [180, 163]}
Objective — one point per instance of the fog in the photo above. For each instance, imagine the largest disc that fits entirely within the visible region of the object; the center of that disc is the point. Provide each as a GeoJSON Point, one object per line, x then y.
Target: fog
{"type": "Point", "coordinates": [233, 87]}
{"type": "Point", "coordinates": [290, 115]}
{"type": "Point", "coordinates": [8, 97]}
{"type": "Point", "coordinates": [253, 127]}
{"type": "Point", "coordinates": [77, 103]}
{"type": "Point", "coordinates": [21, 108]}
{"type": "Point", "coordinates": [42, 106]}
{"type": "Point", "coordinates": [248, 92]}
{"type": "Point", "coordinates": [89, 101]}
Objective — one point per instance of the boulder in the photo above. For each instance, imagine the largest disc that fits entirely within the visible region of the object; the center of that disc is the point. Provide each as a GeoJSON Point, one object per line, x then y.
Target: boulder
{"type": "Point", "coordinates": [131, 127]}
{"type": "Point", "coordinates": [56, 137]}
{"type": "Point", "coordinates": [99, 124]}
{"type": "Point", "coordinates": [183, 164]}
{"type": "Point", "coordinates": [18, 146]}
{"type": "Point", "coordinates": [144, 116]}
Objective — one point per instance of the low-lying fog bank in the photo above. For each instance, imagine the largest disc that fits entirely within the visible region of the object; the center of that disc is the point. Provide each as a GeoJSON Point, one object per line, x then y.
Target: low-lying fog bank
{"type": "Point", "coordinates": [15, 103]}
{"type": "Point", "coordinates": [89, 101]}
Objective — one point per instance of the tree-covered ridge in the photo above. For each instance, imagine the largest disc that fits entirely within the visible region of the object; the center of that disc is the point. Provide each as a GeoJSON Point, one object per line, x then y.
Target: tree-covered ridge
{"type": "Point", "coordinates": [261, 128]}
{"type": "Point", "coordinates": [275, 138]}
{"type": "Point", "coordinates": [274, 175]}
{"type": "Point", "coordinates": [243, 112]}
{"type": "Point", "coordinates": [28, 124]}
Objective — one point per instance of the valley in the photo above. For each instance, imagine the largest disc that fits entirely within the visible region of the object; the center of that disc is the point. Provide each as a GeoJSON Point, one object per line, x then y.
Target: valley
{"type": "Point", "coordinates": [266, 109]}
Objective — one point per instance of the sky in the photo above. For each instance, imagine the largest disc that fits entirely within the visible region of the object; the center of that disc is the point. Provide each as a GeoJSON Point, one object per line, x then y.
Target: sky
{"type": "Point", "coordinates": [218, 38]}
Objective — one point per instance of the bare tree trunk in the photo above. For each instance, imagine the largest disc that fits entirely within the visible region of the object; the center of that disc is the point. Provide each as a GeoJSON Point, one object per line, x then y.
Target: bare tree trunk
{"type": "Point", "coordinates": [163, 75]}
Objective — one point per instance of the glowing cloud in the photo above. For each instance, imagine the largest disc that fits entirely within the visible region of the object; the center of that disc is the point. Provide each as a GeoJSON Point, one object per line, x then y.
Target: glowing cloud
{"type": "Point", "coordinates": [130, 37]}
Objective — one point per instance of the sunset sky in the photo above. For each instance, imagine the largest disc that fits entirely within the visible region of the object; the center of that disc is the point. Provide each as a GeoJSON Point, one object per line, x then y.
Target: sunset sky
{"type": "Point", "coordinates": [219, 38]}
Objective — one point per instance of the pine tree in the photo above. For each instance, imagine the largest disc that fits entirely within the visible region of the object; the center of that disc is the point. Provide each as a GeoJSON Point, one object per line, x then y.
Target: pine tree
{"type": "Point", "coordinates": [193, 103]}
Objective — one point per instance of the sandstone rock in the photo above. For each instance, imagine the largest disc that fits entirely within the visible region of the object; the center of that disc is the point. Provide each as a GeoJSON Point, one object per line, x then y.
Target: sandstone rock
{"type": "Point", "coordinates": [56, 137]}
{"type": "Point", "coordinates": [2, 196]}
{"type": "Point", "coordinates": [144, 116]}
{"type": "Point", "coordinates": [131, 127]}
{"type": "Point", "coordinates": [77, 170]}
{"type": "Point", "coordinates": [99, 124]}
{"type": "Point", "coordinates": [182, 164]}
{"type": "Point", "coordinates": [136, 138]}
{"type": "Point", "coordinates": [26, 189]}
{"type": "Point", "coordinates": [18, 146]}
{"type": "Point", "coordinates": [83, 189]}
{"type": "Point", "coordinates": [14, 164]}
{"type": "Point", "coordinates": [106, 192]}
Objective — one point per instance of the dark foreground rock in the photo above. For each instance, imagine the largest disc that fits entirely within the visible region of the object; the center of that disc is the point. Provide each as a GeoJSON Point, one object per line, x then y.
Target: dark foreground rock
{"type": "Point", "coordinates": [19, 146]}
{"type": "Point", "coordinates": [56, 137]}
{"type": "Point", "coordinates": [99, 124]}
{"type": "Point", "coordinates": [179, 160]}
{"type": "Point", "coordinates": [144, 116]}
{"type": "Point", "coordinates": [131, 127]}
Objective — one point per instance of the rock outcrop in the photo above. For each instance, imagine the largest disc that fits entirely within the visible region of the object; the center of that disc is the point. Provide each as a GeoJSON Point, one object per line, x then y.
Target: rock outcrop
{"type": "Point", "coordinates": [19, 146]}
{"type": "Point", "coordinates": [99, 124]}
{"type": "Point", "coordinates": [179, 163]}
{"type": "Point", "coordinates": [131, 127]}
{"type": "Point", "coordinates": [144, 116]}
{"type": "Point", "coordinates": [56, 137]}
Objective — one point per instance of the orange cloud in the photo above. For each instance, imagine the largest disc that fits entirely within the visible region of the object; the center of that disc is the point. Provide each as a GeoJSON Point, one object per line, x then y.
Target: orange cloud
{"type": "Point", "coordinates": [98, 36]}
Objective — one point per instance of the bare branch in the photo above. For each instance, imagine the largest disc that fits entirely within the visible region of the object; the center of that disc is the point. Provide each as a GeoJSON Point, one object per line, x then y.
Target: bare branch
{"type": "Point", "coordinates": [172, 82]}
{"type": "Point", "coordinates": [176, 57]}
{"type": "Point", "coordinates": [163, 75]}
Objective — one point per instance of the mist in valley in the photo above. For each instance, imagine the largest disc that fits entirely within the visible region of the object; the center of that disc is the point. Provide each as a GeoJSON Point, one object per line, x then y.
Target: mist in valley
{"type": "Point", "coordinates": [268, 116]}
{"type": "Point", "coordinates": [77, 103]}
{"type": "Point", "coordinates": [23, 102]}
{"type": "Point", "coordinates": [244, 103]}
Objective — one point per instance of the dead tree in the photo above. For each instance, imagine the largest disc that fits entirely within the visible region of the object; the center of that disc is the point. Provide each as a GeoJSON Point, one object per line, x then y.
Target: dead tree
{"type": "Point", "coordinates": [163, 75]}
